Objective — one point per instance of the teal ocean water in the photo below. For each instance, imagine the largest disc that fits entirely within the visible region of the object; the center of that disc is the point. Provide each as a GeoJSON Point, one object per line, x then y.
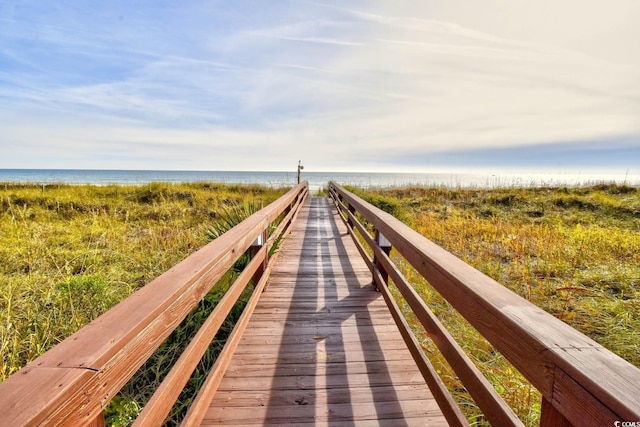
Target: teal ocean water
{"type": "Point", "coordinates": [316, 179]}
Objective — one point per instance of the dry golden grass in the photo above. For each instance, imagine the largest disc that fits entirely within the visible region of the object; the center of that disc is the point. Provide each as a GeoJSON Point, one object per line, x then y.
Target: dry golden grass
{"type": "Point", "coordinates": [575, 252]}
{"type": "Point", "coordinates": [69, 253]}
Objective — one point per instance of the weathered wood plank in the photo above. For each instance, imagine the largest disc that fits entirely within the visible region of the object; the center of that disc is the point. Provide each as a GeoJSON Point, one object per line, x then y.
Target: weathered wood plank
{"type": "Point", "coordinates": [248, 398]}
{"type": "Point", "coordinates": [404, 421]}
{"type": "Point", "coordinates": [345, 337]}
{"type": "Point", "coordinates": [383, 345]}
{"type": "Point", "coordinates": [321, 346]}
{"type": "Point", "coordinates": [321, 381]}
{"type": "Point", "coordinates": [310, 330]}
{"type": "Point", "coordinates": [293, 414]}
{"type": "Point", "coordinates": [310, 323]}
{"type": "Point", "coordinates": [255, 369]}
{"type": "Point", "coordinates": [347, 305]}
{"type": "Point", "coordinates": [315, 313]}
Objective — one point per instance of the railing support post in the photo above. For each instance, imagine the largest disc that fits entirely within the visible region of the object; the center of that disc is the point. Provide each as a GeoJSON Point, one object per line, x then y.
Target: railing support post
{"type": "Point", "coordinates": [385, 245]}
{"type": "Point", "coordinates": [352, 209]}
{"type": "Point", "coordinates": [98, 421]}
{"type": "Point", "coordinates": [260, 241]}
{"type": "Point", "coordinates": [551, 417]}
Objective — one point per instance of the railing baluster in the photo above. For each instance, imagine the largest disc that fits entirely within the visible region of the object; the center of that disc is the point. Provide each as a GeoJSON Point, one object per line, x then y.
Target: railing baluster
{"type": "Point", "coordinates": [385, 246]}
{"type": "Point", "coordinates": [352, 210]}
{"type": "Point", "coordinates": [98, 421]}
{"type": "Point", "coordinates": [256, 246]}
{"type": "Point", "coordinates": [551, 417]}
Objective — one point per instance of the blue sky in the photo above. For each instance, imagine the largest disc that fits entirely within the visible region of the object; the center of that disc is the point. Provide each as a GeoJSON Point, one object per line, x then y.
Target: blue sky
{"type": "Point", "coordinates": [341, 85]}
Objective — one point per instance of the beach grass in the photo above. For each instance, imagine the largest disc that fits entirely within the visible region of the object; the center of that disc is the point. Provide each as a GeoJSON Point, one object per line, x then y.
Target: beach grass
{"type": "Point", "coordinates": [70, 252]}
{"type": "Point", "coordinates": [575, 252]}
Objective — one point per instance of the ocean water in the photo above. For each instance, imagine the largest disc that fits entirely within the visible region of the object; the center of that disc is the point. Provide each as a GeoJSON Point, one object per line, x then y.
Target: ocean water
{"type": "Point", "coordinates": [316, 180]}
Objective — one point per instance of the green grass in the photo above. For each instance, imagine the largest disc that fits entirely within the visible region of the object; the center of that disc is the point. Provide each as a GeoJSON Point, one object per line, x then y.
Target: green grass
{"type": "Point", "coordinates": [126, 406]}
{"type": "Point", "coordinates": [69, 252]}
{"type": "Point", "coordinates": [574, 252]}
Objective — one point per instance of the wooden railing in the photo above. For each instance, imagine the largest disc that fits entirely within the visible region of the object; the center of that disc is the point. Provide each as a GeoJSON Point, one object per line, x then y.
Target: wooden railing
{"type": "Point", "coordinates": [581, 382]}
{"type": "Point", "coordinates": [73, 382]}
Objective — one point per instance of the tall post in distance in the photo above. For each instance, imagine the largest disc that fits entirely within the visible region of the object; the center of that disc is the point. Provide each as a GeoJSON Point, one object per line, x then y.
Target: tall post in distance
{"type": "Point", "coordinates": [300, 167]}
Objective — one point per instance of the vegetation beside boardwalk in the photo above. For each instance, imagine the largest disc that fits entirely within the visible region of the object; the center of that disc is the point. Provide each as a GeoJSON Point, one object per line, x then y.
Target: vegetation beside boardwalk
{"type": "Point", "coordinates": [574, 252]}
{"type": "Point", "coordinates": [70, 252]}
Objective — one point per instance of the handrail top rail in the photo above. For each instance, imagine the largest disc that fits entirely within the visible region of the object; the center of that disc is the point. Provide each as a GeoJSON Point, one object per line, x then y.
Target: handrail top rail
{"type": "Point", "coordinates": [550, 353]}
{"type": "Point", "coordinates": [77, 364]}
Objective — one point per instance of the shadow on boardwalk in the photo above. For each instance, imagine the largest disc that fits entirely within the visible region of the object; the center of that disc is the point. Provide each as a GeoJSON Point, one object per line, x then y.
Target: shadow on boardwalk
{"type": "Point", "coordinates": [321, 347]}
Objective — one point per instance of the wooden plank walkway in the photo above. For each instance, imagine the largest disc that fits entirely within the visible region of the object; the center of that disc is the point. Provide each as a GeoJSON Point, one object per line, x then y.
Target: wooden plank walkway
{"type": "Point", "coordinates": [321, 347]}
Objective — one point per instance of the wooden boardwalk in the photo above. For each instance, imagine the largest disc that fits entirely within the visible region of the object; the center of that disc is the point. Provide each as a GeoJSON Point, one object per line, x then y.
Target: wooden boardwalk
{"type": "Point", "coordinates": [321, 347]}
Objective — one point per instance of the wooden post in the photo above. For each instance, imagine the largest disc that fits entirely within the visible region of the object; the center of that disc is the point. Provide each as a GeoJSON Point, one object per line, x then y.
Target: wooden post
{"type": "Point", "coordinates": [260, 241]}
{"type": "Point", "coordinates": [386, 246]}
{"type": "Point", "coordinates": [352, 209]}
{"type": "Point", "coordinates": [98, 421]}
{"type": "Point", "coordinates": [551, 417]}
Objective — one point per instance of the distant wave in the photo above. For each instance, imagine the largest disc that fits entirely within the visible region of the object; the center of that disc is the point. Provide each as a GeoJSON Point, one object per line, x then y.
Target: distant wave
{"type": "Point", "coordinates": [316, 180]}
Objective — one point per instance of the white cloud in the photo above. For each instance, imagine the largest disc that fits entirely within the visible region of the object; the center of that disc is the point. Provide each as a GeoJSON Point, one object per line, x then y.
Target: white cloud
{"type": "Point", "coordinates": [229, 89]}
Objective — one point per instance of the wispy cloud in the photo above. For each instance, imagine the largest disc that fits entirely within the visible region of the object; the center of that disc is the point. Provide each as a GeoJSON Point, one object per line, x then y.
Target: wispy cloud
{"type": "Point", "coordinates": [200, 85]}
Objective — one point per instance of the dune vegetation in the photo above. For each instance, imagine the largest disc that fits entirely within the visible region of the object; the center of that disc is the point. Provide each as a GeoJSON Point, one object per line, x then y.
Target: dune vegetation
{"type": "Point", "coordinates": [70, 252]}
{"type": "Point", "coordinates": [575, 252]}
